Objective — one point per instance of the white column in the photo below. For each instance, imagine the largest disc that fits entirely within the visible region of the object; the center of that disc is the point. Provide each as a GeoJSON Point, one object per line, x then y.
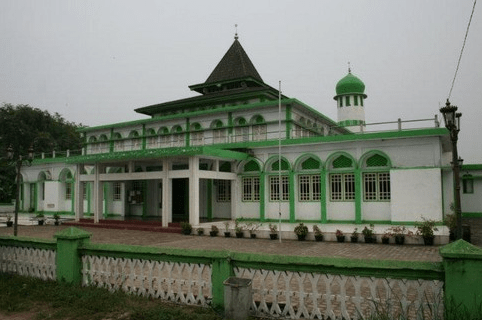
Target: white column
{"type": "Point", "coordinates": [98, 194]}
{"type": "Point", "coordinates": [79, 194]}
{"type": "Point", "coordinates": [194, 191]}
{"type": "Point", "coordinates": [166, 195]}
{"type": "Point", "coordinates": [234, 197]}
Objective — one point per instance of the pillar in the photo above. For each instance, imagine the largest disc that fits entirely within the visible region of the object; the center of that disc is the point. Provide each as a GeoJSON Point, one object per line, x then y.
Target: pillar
{"type": "Point", "coordinates": [69, 262]}
{"type": "Point", "coordinates": [194, 191]}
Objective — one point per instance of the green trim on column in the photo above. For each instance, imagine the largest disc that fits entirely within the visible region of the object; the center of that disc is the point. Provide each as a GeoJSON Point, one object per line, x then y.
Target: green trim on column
{"type": "Point", "coordinates": [35, 200]}
{"type": "Point", "coordinates": [188, 133]}
{"type": "Point", "coordinates": [105, 189]}
{"type": "Point", "coordinates": [262, 200]}
{"type": "Point", "coordinates": [288, 122]}
{"type": "Point", "coordinates": [358, 196]}
{"type": "Point", "coordinates": [230, 123]}
{"type": "Point", "coordinates": [323, 190]}
{"type": "Point", "coordinates": [471, 214]}
{"type": "Point", "coordinates": [144, 139]}
{"type": "Point", "coordinates": [111, 146]}
{"type": "Point", "coordinates": [144, 199]}
{"type": "Point", "coordinates": [221, 271]}
{"type": "Point", "coordinates": [87, 190]}
{"type": "Point", "coordinates": [69, 262]}
{"type": "Point", "coordinates": [210, 200]}
{"type": "Point", "coordinates": [72, 205]}
{"type": "Point", "coordinates": [292, 191]}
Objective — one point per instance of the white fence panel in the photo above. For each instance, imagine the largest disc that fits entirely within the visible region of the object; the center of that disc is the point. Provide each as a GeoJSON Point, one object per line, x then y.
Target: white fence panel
{"type": "Point", "coordinates": [38, 263]}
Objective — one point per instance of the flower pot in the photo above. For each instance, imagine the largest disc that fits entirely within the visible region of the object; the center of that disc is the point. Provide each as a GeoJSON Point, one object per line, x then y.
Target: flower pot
{"type": "Point", "coordinates": [9, 223]}
{"type": "Point", "coordinates": [252, 235]}
{"type": "Point", "coordinates": [227, 234]}
{"type": "Point", "coordinates": [318, 237]}
{"type": "Point", "coordinates": [399, 239]}
{"type": "Point", "coordinates": [58, 223]}
{"type": "Point", "coordinates": [301, 237]}
{"type": "Point", "coordinates": [273, 236]}
{"type": "Point", "coordinates": [239, 234]}
{"type": "Point", "coordinates": [428, 241]}
{"type": "Point", "coordinates": [354, 239]}
{"type": "Point", "coordinates": [370, 239]}
{"type": "Point", "coordinates": [40, 222]}
{"type": "Point", "coordinates": [340, 238]}
{"type": "Point", "coordinates": [213, 233]}
{"type": "Point", "coordinates": [385, 240]}
{"type": "Point", "coordinates": [200, 233]}
{"type": "Point", "coordinates": [186, 232]}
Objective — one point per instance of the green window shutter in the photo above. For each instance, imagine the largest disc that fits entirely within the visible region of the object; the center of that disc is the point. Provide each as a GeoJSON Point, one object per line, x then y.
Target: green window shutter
{"type": "Point", "coordinates": [284, 165]}
{"type": "Point", "coordinates": [342, 162]}
{"type": "Point", "coordinates": [310, 163]}
{"type": "Point", "coordinates": [251, 166]}
{"type": "Point", "coordinates": [377, 161]}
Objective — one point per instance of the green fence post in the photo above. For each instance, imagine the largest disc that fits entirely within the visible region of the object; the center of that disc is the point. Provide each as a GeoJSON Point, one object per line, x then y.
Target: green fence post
{"type": "Point", "coordinates": [222, 269]}
{"type": "Point", "coordinates": [69, 263]}
{"type": "Point", "coordinates": [463, 293]}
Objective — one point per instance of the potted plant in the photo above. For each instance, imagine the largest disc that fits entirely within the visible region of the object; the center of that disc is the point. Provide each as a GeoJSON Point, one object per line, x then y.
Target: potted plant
{"type": "Point", "coordinates": [426, 229]}
{"type": "Point", "coordinates": [368, 234]}
{"type": "Point", "coordinates": [386, 238]}
{"type": "Point", "coordinates": [238, 229]}
{"type": "Point", "coordinates": [301, 231]}
{"type": "Point", "coordinates": [40, 219]}
{"type": "Point", "coordinates": [318, 233]}
{"type": "Point", "coordinates": [214, 231]}
{"type": "Point", "coordinates": [200, 231]}
{"type": "Point", "coordinates": [354, 236]}
{"type": "Point", "coordinates": [399, 233]}
{"type": "Point", "coordinates": [9, 220]}
{"type": "Point", "coordinates": [273, 235]}
{"type": "Point", "coordinates": [56, 217]}
{"type": "Point", "coordinates": [451, 222]}
{"type": "Point", "coordinates": [252, 228]}
{"type": "Point", "coordinates": [186, 228]}
{"type": "Point", "coordinates": [340, 237]}
{"type": "Point", "coordinates": [227, 234]}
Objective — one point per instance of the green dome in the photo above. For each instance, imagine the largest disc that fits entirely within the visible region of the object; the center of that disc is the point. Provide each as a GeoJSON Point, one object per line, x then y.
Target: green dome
{"type": "Point", "coordinates": [350, 85]}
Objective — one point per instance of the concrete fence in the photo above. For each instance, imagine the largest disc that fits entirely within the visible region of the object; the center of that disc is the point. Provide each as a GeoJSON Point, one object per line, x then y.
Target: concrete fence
{"type": "Point", "coordinates": [282, 286]}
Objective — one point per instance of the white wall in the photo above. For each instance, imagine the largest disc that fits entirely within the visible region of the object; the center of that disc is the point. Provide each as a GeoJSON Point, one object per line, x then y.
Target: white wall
{"type": "Point", "coordinates": [416, 193]}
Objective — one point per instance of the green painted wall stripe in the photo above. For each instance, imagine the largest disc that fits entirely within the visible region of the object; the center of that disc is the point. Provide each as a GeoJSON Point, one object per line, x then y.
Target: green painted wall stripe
{"type": "Point", "coordinates": [262, 197]}
{"type": "Point", "coordinates": [358, 196]}
{"type": "Point", "coordinates": [323, 205]}
{"type": "Point", "coordinates": [292, 190]}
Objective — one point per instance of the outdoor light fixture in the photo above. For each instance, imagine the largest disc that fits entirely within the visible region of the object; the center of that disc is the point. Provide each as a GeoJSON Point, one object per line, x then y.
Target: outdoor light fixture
{"type": "Point", "coordinates": [452, 123]}
{"type": "Point", "coordinates": [19, 161]}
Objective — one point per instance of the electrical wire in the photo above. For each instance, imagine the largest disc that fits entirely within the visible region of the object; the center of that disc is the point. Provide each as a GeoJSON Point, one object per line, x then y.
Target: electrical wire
{"type": "Point", "coordinates": [462, 51]}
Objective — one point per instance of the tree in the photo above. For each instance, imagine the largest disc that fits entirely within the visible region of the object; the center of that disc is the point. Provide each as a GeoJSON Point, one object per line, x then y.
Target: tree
{"type": "Point", "coordinates": [22, 126]}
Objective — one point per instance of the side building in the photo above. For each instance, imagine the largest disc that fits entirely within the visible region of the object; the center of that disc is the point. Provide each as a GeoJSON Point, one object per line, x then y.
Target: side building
{"type": "Point", "coordinates": [216, 156]}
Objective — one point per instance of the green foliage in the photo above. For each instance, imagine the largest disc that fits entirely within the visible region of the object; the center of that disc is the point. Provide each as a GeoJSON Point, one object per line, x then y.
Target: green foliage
{"type": "Point", "coordinates": [54, 300]}
{"type": "Point", "coordinates": [22, 126]}
{"type": "Point", "coordinates": [368, 232]}
{"type": "Point", "coordinates": [301, 230]}
{"type": "Point", "coordinates": [426, 228]}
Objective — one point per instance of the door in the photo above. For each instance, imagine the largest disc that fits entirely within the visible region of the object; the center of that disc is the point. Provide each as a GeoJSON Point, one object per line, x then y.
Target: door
{"type": "Point", "coordinates": [180, 199]}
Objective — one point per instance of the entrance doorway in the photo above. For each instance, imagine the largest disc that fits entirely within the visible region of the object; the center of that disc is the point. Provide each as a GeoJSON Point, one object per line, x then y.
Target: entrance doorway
{"type": "Point", "coordinates": [180, 199]}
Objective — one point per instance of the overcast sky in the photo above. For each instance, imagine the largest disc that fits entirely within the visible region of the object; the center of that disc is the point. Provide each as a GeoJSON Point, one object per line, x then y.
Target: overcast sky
{"type": "Point", "coordinates": [94, 62]}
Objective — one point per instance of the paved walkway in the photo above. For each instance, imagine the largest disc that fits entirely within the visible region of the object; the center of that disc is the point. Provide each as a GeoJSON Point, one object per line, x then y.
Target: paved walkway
{"type": "Point", "coordinates": [287, 247]}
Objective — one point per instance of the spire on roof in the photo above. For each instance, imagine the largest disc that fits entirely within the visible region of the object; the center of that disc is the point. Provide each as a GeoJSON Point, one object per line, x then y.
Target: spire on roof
{"type": "Point", "coordinates": [349, 68]}
{"type": "Point", "coordinates": [234, 65]}
{"type": "Point", "coordinates": [236, 34]}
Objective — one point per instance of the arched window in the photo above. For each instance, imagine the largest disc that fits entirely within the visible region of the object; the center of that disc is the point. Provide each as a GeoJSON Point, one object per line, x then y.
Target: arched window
{"type": "Point", "coordinates": [342, 177]}
{"type": "Point", "coordinates": [197, 135]}
{"type": "Point", "coordinates": [152, 139]}
{"type": "Point", "coordinates": [259, 128]}
{"type": "Point", "coordinates": [177, 136]}
{"type": "Point", "coordinates": [376, 177]}
{"type": "Point", "coordinates": [67, 180]}
{"type": "Point", "coordinates": [93, 145]}
{"type": "Point", "coordinates": [250, 182]}
{"type": "Point", "coordinates": [118, 142]}
{"type": "Point", "coordinates": [136, 141]}
{"type": "Point", "coordinates": [219, 132]}
{"type": "Point", "coordinates": [242, 130]}
{"type": "Point", "coordinates": [278, 190]}
{"type": "Point", "coordinates": [309, 183]}
{"type": "Point", "coordinates": [164, 137]}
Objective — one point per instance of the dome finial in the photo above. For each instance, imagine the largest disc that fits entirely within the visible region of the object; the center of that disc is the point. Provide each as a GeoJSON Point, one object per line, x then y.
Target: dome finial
{"type": "Point", "coordinates": [236, 32]}
{"type": "Point", "coordinates": [349, 67]}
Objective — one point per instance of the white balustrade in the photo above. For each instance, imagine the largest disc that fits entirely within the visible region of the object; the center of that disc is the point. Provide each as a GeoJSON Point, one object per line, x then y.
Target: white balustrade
{"type": "Point", "coordinates": [38, 263]}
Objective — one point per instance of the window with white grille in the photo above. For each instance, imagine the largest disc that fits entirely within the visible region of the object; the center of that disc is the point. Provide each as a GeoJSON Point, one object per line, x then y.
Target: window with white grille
{"type": "Point", "coordinates": [275, 188]}
{"type": "Point", "coordinates": [224, 191]}
{"type": "Point", "coordinates": [377, 186]}
{"type": "Point", "coordinates": [242, 134]}
{"type": "Point", "coordinates": [342, 187]}
{"type": "Point", "coordinates": [117, 194]}
{"type": "Point", "coordinates": [68, 191]}
{"type": "Point", "coordinates": [259, 132]}
{"type": "Point", "coordinates": [309, 188]}
{"type": "Point", "coordinates": [219, 135]}
{"type": "Point", "coordinates": [250, 189]}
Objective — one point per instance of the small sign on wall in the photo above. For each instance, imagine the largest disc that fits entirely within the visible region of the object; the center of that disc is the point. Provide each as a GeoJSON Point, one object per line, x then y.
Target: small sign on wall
{"type": "Point", "coordinates": [51, 205]}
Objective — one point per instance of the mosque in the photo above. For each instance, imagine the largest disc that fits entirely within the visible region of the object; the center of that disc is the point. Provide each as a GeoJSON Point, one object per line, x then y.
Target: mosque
{"type": "Point", "coordinates": [241, 149]}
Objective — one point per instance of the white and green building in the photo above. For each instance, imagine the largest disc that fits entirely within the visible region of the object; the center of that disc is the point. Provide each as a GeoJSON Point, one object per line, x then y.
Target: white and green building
{"type": "Point", "coordinates": [215, 156]}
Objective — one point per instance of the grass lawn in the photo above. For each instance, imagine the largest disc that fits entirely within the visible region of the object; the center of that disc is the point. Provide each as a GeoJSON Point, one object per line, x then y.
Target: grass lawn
{"type": "Point", "coordinates": [52, 300]}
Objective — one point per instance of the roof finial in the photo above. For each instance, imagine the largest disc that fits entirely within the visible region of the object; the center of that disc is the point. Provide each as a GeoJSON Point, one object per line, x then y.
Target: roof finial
{"type": "Point", "coordinates": [236, 34]}
{"type": "Point", "coordinates": [349, 68]}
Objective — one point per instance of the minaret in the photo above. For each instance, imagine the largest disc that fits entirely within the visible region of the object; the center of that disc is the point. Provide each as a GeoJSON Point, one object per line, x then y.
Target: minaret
{"type": "Point", "coordinates": [350, 96]}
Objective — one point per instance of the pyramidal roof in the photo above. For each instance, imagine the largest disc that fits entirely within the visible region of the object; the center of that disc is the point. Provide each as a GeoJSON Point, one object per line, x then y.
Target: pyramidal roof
{"type": "Point", "coordinates": [234, 65]}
